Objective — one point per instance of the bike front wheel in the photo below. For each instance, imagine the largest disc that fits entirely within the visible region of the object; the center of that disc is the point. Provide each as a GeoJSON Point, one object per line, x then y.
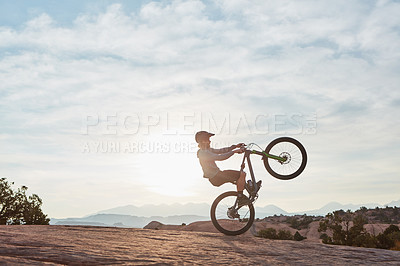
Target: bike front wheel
{"type": "Point", "coordinates": [294, 153]}
{"type": "Point", "coordinates": [228, 218]}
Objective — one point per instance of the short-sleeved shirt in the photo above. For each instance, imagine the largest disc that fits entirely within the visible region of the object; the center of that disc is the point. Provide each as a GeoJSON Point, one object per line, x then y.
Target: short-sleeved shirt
{"type": "Point", "coordinates": [207, 158]}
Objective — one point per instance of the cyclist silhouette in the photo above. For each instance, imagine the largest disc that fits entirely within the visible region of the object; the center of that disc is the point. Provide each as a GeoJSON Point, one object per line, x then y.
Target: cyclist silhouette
{"type": "Point", "coordinates": [207, 157]}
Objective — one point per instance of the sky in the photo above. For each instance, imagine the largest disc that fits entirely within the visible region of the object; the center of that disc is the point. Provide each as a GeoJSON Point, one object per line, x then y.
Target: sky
{"type": "Point", "coordinates": [100, 100]}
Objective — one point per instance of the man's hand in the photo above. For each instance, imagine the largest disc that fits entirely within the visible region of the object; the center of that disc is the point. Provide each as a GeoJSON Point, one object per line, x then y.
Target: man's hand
{"type": "Point", "coordinates": [240, 145]}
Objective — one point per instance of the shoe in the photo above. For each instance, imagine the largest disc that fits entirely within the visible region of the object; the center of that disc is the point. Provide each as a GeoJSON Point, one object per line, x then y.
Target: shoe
{"type": "Point", "coordinates": [242, 201]}
{"type": "Point", "coordinates": [249, 186]}
{"type": "Point", "coordinates": [232, 213]}
{"type": "Point", "coordinates": [258, 186]}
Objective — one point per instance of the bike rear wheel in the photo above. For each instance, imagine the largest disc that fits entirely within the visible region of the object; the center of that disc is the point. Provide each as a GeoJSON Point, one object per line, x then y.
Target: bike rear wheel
{"type": "Point", "coordinates": [293, 151]}
{"type": "Point", "coordinates": [229, 219]}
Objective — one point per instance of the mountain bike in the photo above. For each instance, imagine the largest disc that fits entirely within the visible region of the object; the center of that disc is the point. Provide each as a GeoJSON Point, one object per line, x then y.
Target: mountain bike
{"type": "Point", "coordinates": [284, 158]}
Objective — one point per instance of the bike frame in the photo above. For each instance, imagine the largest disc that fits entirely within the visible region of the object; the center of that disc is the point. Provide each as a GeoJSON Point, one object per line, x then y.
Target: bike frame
{"type": "Point", "coordinates": [246, 157]}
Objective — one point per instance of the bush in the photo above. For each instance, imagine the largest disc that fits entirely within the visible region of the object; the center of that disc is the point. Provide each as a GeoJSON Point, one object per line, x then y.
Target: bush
{"type": "Point", "coordinates": [384, 241]}
{"type": "Point", "coordinates": [390, 238]}
{"type": "Point", "coordinates": [298, 237]}
{"type": "Point", "coordinates": [391, 229]}
{"type": "Point", "coordinates": [325, 238]}
{"type": "Point", "coordinates": [285, 235]}
{"type": "Point", "coordinates": [396, 246]}
{"type": "Point", "coordinates": [347, 228]}
{"type": "Point", "coordinates": [300, 223]}
{"type": "Point", "coordinates": [365, 240]}
{"type": "Point", "coordinates": [271, 233]}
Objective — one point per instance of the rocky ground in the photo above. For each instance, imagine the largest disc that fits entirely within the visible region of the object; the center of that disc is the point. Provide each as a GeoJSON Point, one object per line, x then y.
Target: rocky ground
{"type": "Point", "coordinates": [39, 245]}
{"type": "Point", "coordinates": [311, 232]}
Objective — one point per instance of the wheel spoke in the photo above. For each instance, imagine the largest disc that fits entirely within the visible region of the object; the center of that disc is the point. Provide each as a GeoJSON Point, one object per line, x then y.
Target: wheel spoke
{"type": "Point", "coordinates": [290, 149]}
{"type": "Point", "coordinates": [237, 221]}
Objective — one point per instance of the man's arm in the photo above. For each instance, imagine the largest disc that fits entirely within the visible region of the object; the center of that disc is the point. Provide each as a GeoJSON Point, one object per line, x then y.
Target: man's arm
{"type": "Point", "coordinates": [223, 150]}
{"type": "Point", "coordinates": [226, 149]}
{"type": "Point", "coordinates": [208, 155]}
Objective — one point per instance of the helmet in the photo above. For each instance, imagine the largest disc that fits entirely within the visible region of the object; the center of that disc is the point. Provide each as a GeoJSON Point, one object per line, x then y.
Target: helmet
{"type": "Point", "coordinates": [203, 135]}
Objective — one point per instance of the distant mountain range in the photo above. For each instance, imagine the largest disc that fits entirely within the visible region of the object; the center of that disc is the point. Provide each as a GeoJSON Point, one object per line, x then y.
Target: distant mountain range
{"type": "Point", "coordinates": [203, 209]}
{"type": "Point", "coordinates": [120, 220]}
{"type": "Point", "coordinates": [138, 217]}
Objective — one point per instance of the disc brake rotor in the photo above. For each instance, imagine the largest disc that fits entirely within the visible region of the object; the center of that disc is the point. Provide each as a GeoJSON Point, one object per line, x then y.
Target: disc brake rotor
{"type": "Point", "coordinates": [287, 157]}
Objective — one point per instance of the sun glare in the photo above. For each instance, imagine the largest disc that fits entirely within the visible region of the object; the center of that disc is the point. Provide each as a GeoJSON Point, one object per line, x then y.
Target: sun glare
{"type": "Point", "coordinates": [170, 174]}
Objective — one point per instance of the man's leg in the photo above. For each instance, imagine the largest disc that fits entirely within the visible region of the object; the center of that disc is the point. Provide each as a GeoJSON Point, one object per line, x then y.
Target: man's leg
{"type": "Point", "coordinates": [242, 199]}
{"type": "Point", "coordinates": [241, 181]}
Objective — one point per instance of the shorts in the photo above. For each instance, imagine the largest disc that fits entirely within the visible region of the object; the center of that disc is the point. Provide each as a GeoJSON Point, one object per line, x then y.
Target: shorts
{"type": "Point", "coordinates": [225, 176]}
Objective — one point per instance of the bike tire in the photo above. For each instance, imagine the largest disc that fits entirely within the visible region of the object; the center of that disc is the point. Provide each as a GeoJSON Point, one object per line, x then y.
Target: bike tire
{"type": "Point", "coordinates": [290, 147]}
{"type": "Point", "coordinates": [227, 225]}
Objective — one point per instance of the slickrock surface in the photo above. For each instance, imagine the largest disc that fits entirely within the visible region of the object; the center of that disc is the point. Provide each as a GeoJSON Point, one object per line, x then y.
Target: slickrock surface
{"type": "Point", "coordinates": [104, 245]}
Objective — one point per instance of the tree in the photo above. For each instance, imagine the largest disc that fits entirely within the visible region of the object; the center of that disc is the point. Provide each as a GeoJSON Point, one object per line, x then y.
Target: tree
{"type": "Point", "coordinates": [334, 223]}
{"type": "Point", "coordinates": [6, 201]}
{"type": "Point", "coordinates": [32, 212]}
{"type": "Point", "coordinates": [339, 223]}
{"type": "Point", "coordinates": [17, 208]}
{"type": "Point", "coordinates": [347, 228]}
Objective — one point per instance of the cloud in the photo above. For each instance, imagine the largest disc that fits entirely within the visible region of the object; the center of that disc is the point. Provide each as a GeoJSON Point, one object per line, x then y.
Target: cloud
{"type": "Point", "coordinates": [337, 60]}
